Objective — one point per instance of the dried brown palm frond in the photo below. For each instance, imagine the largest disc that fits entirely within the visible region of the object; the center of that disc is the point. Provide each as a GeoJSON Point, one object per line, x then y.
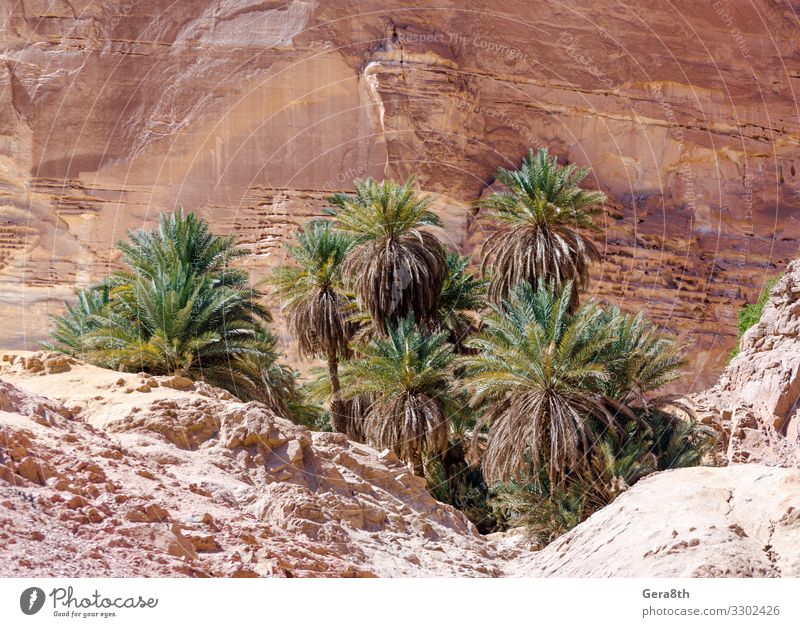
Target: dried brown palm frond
{"type": "Point", "coordinates": [349, 415]}
{"type": "Point", "coordinates": [528, 253]}
{"type": "Point", "coordinates": [410, 424]}
{"type": "Point", "coordinates": [540, 215]}
{"type": "Point", "coordinates": [395, 267]}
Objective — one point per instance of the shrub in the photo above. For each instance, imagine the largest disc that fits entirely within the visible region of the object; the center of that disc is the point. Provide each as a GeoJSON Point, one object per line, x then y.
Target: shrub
{"type": "Point", "coordinates": [750, 313]}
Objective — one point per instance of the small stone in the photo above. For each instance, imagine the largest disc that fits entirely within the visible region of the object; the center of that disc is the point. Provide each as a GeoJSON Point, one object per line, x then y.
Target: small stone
{"type": "Point", "coordinates": [155, 513]}
{"type": "Point", "coordinates": [177, 382]}
{"type": "Point", "coordinates": [94, 515]}
{"type": "Point", "coordinates": [205, 544]}
{"type": "Point", "coordinates": [75, 502]}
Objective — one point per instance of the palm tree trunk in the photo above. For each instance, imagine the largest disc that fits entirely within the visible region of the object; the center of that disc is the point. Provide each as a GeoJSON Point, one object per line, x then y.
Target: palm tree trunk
{"type": "Point", "coordinates": [417, 465]}
{"type": "Point", "coordinates": [338, 414]}
{"type": "Point", "coordinates": [333, 371]}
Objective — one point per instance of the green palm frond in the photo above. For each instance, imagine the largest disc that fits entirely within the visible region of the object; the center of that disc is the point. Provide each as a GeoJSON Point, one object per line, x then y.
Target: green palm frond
{"type": "Point", "coordinates": [396, 267]}
{"type": "Point", "coordinates": [407, 378]}
{"type": "Point", "coordinates": [183, 239]}
{"type": "Point", "coordinates": [462, 297]}
{"type": "Point", "coordinates": [540, 215]}
{"type": "Point", "coordinates": [69, 331]}
{"type": "Point", "coordinates": [640, 359]}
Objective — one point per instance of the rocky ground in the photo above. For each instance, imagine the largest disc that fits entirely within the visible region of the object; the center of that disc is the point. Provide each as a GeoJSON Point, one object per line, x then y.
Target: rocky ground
{"type": "Point", "coordinates": [142, 476]}
{"type": "Point", "coordinates": [109, 474]}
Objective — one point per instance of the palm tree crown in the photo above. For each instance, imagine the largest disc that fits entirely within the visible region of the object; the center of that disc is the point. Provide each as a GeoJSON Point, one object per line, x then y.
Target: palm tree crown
{"type": "Point", "coordinates": [407, 377]}
{"type": "Point", "coordinates": [395, 266]}
{"type": "Point", "coordinates": [312, 292]}
{"type": "Point", "coordinates": [181, 309]}
{"type": "Point", "coordinates": [69, 332]}
{"type": "Point", "coordinates": [538, 215]}
{"type": "Point", "coordinates": [538, 376]}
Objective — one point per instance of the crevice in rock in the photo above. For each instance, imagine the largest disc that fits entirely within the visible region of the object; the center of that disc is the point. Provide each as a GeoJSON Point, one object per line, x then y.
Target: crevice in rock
{"type": "Point", "coordinates": [769, 551]}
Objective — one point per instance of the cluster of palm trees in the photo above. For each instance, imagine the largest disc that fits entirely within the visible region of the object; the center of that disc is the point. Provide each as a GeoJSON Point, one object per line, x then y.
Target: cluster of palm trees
{"type": "Point", "coordinates": [424, 357]}
{"type": "Point", "coordinates": [501, 385]}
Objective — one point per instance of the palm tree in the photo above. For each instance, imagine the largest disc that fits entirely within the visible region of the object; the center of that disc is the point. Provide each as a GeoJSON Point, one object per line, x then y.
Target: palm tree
{"type": "Point", "coordinates": [318, 309]}
{"type": "Point", "coordinates": [640, 359]}
{"type": "Point", "coordinates": [538, 215]}
{"type": "Point", "coordinates": [560, 388]}
{"type": "Point", "coordinates": [181, 309]}
{"type": "Point", "coordinates": [69, 330]}
{"type": "Point", "coordinates": [407, 377]}
{"type": "Point", "coordinates": [395, 266]}
{"type": "Point", "coordinates": [537, 375]}
{"type": "Point", "coordinates": [462, 297]}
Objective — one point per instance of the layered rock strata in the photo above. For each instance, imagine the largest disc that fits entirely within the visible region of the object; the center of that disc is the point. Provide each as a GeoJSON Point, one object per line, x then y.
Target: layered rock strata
{"type": "Point", "coordinates": [252, 112]}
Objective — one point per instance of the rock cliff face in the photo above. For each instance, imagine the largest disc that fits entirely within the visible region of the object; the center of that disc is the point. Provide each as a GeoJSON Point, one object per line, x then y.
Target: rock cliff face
{"type": "Point", "coordinates": [251, 112]}
{"type": "Point", "coordinates": [126, 475]}
{"type": "Point", "coordinates": [757, 399]}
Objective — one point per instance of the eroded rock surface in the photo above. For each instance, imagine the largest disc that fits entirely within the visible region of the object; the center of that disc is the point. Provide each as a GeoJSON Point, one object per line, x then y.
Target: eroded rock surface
{"type": "Point", "coordinates": [137, 478]}
{"type": "Point", "coordinates": [252, 112]}
{"type": "Point", "coordinates": [736, 521]}
{"type": "Point", "coordinates": [757, 399]}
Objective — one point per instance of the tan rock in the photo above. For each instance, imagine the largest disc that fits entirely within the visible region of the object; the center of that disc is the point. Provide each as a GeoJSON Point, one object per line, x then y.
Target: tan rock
{"type": "Point", "coordinates": [177, 382]}
{"type": "Point", "coordinates": [35, 470]}
{"type": "Point", "coordinates": [204, 544]}
{"type": "Point", "coordinates": [755, 402]}
{"type": "Point", "coordinates": [737, 521]}
{"type": "Point", "coordinates": [56, 363]}
{"type": "Point", "coordinates": [243, 482]}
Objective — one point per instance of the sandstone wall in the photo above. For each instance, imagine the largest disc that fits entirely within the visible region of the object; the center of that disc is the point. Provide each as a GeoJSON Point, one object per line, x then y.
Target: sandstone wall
{"type": "Point", "coordinates": [251, 112]}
